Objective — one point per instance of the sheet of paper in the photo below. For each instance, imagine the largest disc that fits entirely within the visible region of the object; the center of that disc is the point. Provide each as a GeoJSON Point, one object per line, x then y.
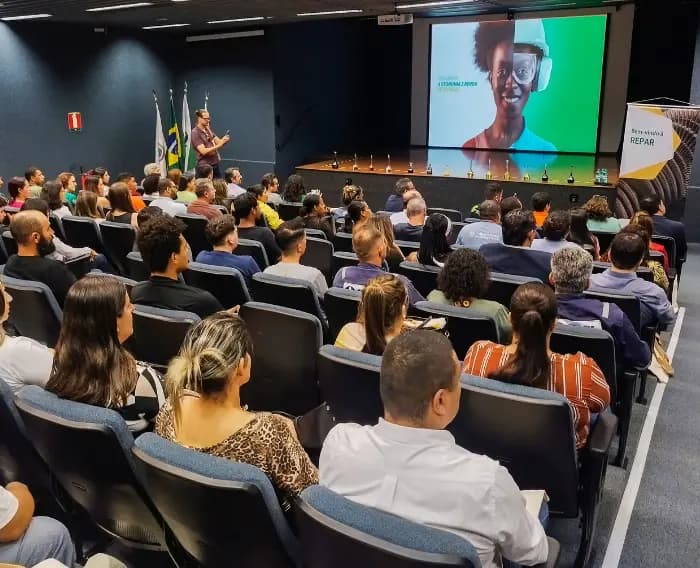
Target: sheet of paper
{"type": "Point", "coordinates": [534, 499]}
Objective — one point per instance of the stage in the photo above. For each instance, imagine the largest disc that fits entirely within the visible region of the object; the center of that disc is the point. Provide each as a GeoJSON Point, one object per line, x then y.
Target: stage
{"type": "Point", "coordinates": [449, 185]}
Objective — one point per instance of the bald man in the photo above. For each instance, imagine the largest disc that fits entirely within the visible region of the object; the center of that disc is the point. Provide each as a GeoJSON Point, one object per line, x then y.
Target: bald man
{"type": "Point", "coordinates": [371, 249]}
{"type": "Point", "coordinates": [34, 236]}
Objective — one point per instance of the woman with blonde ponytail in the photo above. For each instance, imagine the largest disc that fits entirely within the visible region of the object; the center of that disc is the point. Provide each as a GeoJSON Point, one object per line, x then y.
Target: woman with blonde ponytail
{"type": "Point", "coordinates": [529, 361]}
{"type": "Point", "coordinates": [203, 411]}
{"type": "Point", "coordinates": [380, 316]}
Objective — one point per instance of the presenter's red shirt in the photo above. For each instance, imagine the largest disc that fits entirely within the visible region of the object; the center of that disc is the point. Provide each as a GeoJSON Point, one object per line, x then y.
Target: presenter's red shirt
{"type": "Point", "coordinates": [206, 137]}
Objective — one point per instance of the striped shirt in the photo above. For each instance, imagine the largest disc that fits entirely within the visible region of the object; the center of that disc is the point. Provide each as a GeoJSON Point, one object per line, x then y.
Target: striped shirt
{"type": "Point", "coordinates": [577, 377]}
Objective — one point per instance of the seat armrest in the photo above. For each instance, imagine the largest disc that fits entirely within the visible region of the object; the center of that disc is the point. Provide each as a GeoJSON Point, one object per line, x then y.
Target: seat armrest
{"type": "Point", "coordinates": [552, 554]}
{"type": "Point", "coordinates": [602, 435]}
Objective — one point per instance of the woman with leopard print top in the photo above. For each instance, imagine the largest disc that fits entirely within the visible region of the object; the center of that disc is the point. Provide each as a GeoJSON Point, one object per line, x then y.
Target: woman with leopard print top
{"type": "Point", "coordinates": [203, 411]}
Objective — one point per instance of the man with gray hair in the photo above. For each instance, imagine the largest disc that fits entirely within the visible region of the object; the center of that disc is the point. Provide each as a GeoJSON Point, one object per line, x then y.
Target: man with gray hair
{"type": "Point", "coordinates": [205, 192]}
{"type": "Point", "coordinates": [401, 216]}
{"type": "Point", "coordinates": [412, 230]}
{"type": "Point", "coordinates": [486, 230]}
{"type": "Point", "coordinates": [570, 276]}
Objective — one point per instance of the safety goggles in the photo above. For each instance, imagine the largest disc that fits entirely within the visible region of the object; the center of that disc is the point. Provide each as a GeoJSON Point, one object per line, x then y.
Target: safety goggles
{"type": "Point", "coordinates": [523, 71]}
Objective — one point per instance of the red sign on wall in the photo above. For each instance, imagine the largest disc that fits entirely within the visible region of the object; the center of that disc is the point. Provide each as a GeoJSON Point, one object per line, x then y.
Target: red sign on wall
{"type": "Point", "coordinates": [75, 122]}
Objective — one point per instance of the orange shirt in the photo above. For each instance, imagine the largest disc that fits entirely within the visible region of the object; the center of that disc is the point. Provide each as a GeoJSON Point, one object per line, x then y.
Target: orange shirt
{"type": "Point", "coordinates": [137, 203]}
{"type": "Point", "coordinates": [577, 377]}
{"type": "Point", "coordinates": [540, 217]}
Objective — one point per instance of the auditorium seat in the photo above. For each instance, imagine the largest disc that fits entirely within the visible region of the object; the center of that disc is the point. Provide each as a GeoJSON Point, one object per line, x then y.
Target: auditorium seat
{"type": "Point", "coordinates": [605, 239]}
{"type": "Point", "coordinates": [255, 249]}
{"type": "Point", "coordinates": [35, 312]}
{"type": "Point", "coordinates": [642, 272]}
{"type": "Point", "coordinates": [289, 292]}
{"type": "Point", "coordinates": [79, 266]}
{"type": "Point", "coordinates": [288, 210]}
{"type": "Point", "coordinates": [424, 277]}
{"type": "Point", "coordinates": [503, 286]}
{"type": "Point", "coordinates": [285, 351]}
{"type": "Point", "coordinates": [407, 247]}
{"type": "Point", "coordinates": [454, 232]}
{"type": "Point", "coordinates": [451, 214]}
{"type": "Point", "coordinates": [194, 232]}
{"type": "Point", "coordinates": [341, 308]}
{"type": "Point", "coordinates": [343, 242]}
{"type": "Point", "coordinates": [318, 233]}
{"type": "Point", "coordinates": [57, 226]}
{"type": "Point", "coordinates": [158, 334]}
{"type": "Point", "coordinates": [319, 254]}
{"type": "Point", "coordinates": [9, 243]}
{"type": "Point", "coordinates": [136, 267]}
{"type": "Point", "coordinates": [223, 209]}
{"type": "Point", "coordinates": [84, 232]}
{"type": "Point", "coordinates": [349, 382]}
{"type": "Point", "coordinates": [338, 532]}
{"type": "Point", "coordinates": [342, 258]}
{"type": "Point", "coordinates": [600, 346]}
{"type": "Point", "coordinates": [128, 282]}
{"type": "Point", "coordinates": [531, 433]}
{"type": "Point", "coordinates": [669, 243]}
{"type": "Point", "coordinates": [226, 284]}
{"type": "Point", "coordinates": [199, 495]}
{"type": "Point", "coordinates": [464, 326]}
{"type": "Point", "coordinates": [88, 451]}
{"type": "Point", "coordinates": [118, 240]}
{"type": "Point", "coordinates": [3, 253]}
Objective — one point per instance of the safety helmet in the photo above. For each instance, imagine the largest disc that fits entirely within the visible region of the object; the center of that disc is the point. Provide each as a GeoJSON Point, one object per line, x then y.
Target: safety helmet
{"type": "Point", "coordinates": [531, 32]}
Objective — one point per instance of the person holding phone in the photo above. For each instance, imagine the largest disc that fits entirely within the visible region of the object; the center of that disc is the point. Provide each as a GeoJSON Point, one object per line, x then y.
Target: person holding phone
{"type": "Point", "coordinates": [207, 143]}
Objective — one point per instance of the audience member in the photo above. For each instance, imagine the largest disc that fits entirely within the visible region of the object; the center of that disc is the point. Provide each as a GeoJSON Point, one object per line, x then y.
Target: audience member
{"type": "Point", "coordinates": [657, 270]}
{"type": "Point", "coordinates": [416, 211]}
{"type": "Point", "coordinates": [67, 180]}
{"type": "Point", "coordinates": [233, 178]}
{"type": "Point", "coordinates": [402, 216]}
{"type": "Point", "coordinates": [434, 246]}
{"type": "Point", "coordinates": [358, 214]}
{"type": "Point", "coordinates": [26, 540]}
{"type": "Point", "coordinates": [394, 256]}
{"type": "Point", "coordinates": [272, 184]}
{"type": "Point", "coordinates": [19, 191]}
{"type": "Point", "coordinates": [432, 480]}
{"type": "Point", "coordinates": [627, 253]}
{"type": "Point", "coordinates": [492, 192]}
{"type": "Point", "coordinates": [580, 234]}
{"type": "Point", "coordinates": [315, 214]}
{"type": "Point", "coordinates": [643, 219]}
{"type": "Point", "coordinates": [294, 189]}
{"type": "Point", "coordinates": [654, 206]}
{"type": "Point", "coordinates": [92, 365]}
{"type": "Point", "coordinates": [150, 184]}
{"type": "Point", "coordinates": [395, 202]}
{"type": "Point", "coordinates": [223, 237]}
{"type": "Point", "coordinates": [571, 275]}
{"type": "Point", "coordinates": [95, 185]}
{"type": "Point", "coordinates": [541, 204]}
{"type": "Point", "coordinates": [555, 231]}
{"type": "Point", "coordinates": [54, 195]}
{"type": "Point", "coordinates": [380, 317]}
{"type": "Point", "coordinates": [34, 236]}
{"type": "Point", "coordinates": [514, 256]}
{"type": "Point", "coordinates": [186, 192]}
{"type": "Point", "coordinates": [204, 189]}
{"type": "Point", "coordinates": [271, 216]}
{"type": "Point", "coordinates": [35, 180]}
{"type": "Point", "coordinates": [600, 218]}
{"type": "Point", "coordinates": [291, 238]}
{"type": "Point", "coordinates": [486, 230]}
{"type": "Point", "coordinates": [463, 282]}
{"type": "Point", "coordinates": [23, 361]}
{"type": "Point", "coordinates": [103, 174]}
{"type": "Point", "coordinates": [174, 175]}
{"type": "Point", "coordinates": [166, 254]}
{"type": "Point", "coordinates": [204, 410]}
{"type": "Point", "coordinates": [510, 204]}
{"type": "Point", "coordinates": [371, 249]}
{"type": "Point", "coordinates": [122, 211]}
{"type": "Point", "coordinates": [350, 193]}
{"type": "Point", "coordinates": [137, 203]}
{"type": "Point", "coordinates": [220, 191]}
{"type": "Point", "coordinates": [204, 171]}
{"type": "Point", "coordinates": [86, 206]}
{"type": "Point", "coordinates": [151, 169]}
{"type": "Point", "coordinates": [247, 211]}
{"type": "Point", "coordinates": [147, 213]}
{"type": "Point", "coordinates": [167, 192]}
{"type": "Point", "coordinates": [529, 361]}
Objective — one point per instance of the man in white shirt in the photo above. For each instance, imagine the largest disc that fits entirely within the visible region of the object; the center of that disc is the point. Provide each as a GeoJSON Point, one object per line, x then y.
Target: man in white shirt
{"type": "Point", "coordinates": [234, 179]}
{"type": "Point", "coordinates": [408, 465]}
{"type": "Point", "coordinates": [167, 194]}
{"type": "Point", "coordinates": [27, 540]}
{"type": "Point", "coordinates": [402, 216]}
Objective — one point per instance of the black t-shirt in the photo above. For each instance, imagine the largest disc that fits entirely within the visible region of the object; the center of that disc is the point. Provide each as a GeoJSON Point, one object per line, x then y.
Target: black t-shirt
{"type": "Point", "coordinates": [408, 232]}
{"type": "Point", "coordinates": [40, 269]}
{"type": "Point", "coordinates": [266, 237]}
{"type": "Point", "coordinates": [161, 292]}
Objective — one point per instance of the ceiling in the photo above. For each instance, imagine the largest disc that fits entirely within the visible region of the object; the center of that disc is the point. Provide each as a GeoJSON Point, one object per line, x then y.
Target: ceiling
{"type": "Point", "coordinates": [197, 13]}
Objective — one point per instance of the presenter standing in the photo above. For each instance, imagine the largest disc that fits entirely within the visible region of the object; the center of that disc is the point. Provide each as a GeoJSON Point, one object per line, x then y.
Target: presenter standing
{"type": "Point", "coordinates": [206, 143]}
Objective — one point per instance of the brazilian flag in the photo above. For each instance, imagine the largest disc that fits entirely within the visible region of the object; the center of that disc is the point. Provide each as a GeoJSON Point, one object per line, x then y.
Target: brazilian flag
{"type": "Point", "coordinates": [174, 144]}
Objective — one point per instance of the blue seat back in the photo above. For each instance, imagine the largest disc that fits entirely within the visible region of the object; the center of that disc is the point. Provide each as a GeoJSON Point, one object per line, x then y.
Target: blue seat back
{"type": "Point", "coordinates": [341, 308]}
{"type": "Point", "coordinates": [319, 254]}
{"type": "Point", "coordinates": [194, 232]}
{"type": "Point", "coordinates": [35, 312]}
{"type": "Point", "coordinates": [256, 250]}
{"type": "Point", "coordinates": [343, 242]}
{"type": "Point", "coordinates": [136, 268]}
{"type": "Point", "coordinates": [158, 333]}
{"type": "Point", "coordinates": [289, 292]}
{"type": "Point", "coordinates": [118, 239]}
{"type": "Point", "coordinates": [83, 232]}
{"type": "Point", "coordinates": [424, 277]}
{"type": "Point", "coordinates": [226, 284]}
{"type": "Point", "coordinates": [503, 286]}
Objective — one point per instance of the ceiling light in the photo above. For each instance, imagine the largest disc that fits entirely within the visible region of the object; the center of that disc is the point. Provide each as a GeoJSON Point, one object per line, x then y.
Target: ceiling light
{"type": "Point", "coordinates": [27, 17]}
{"type": "Point", "coordinates": [119, 7]}
{"type": "Point", "coordinates": [433, 4]}
{"type": "Point", "coordinates": [164, 26]}
{"type": "Point", "coordinates": [253, 19]}
{"type": "Point", "coordinates": [330, 13]}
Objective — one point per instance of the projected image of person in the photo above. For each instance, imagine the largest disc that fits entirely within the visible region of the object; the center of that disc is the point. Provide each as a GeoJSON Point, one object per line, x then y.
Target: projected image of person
{"type": "Point", "coordinates": [515, 55]}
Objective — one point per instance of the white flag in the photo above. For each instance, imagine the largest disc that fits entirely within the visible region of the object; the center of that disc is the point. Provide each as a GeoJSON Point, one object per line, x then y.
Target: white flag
{"type": "Point", "coordinates": [189, 159]}
{"type": "Point", "coordinates": [161, 148]}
